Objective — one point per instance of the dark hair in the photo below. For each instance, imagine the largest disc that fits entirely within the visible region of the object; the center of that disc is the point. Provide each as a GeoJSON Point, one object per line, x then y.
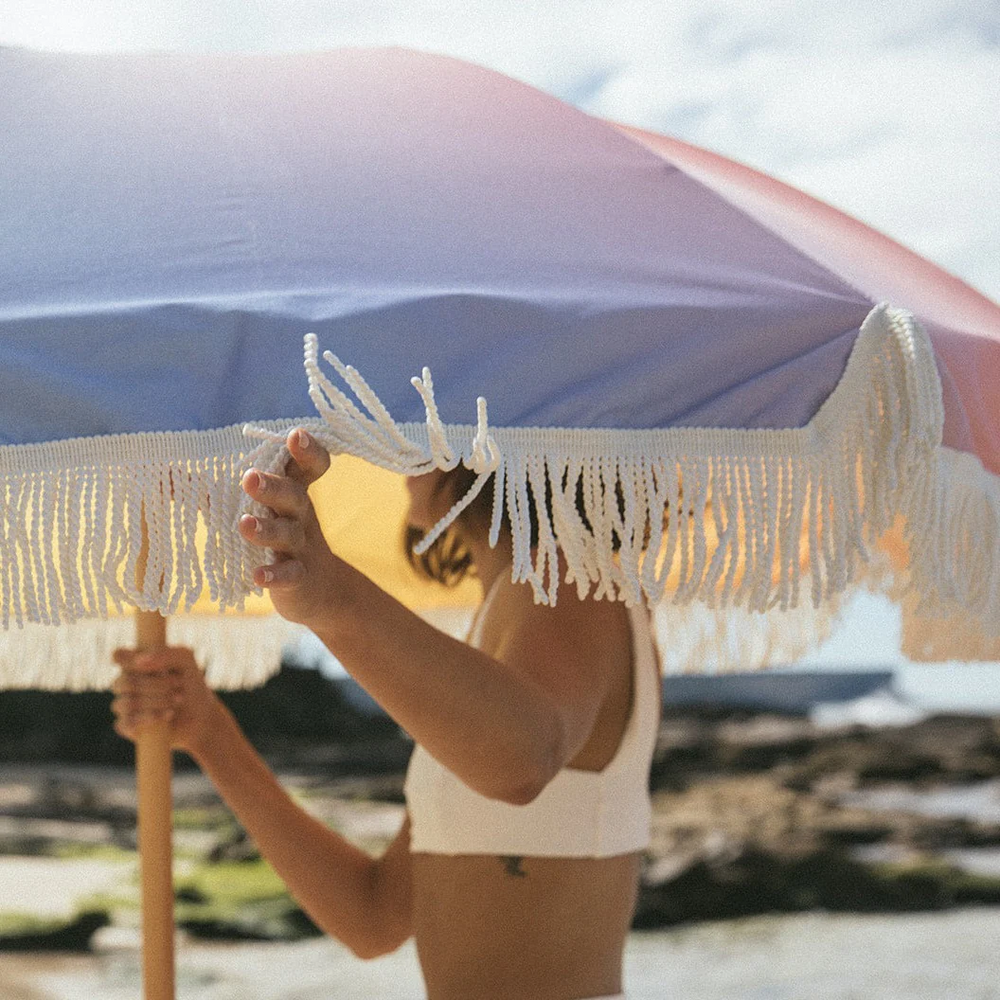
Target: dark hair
{"type": "Point", "coordinates": [449, 560]}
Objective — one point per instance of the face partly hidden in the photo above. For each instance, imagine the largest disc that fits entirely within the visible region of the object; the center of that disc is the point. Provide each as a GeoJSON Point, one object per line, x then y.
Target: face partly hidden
{"type": "Point", "coordinates": [431, 497]}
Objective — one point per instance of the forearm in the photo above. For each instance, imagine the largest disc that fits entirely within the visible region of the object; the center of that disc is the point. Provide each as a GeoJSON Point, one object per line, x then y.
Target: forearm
{"type": "Point", "coordinates": [491, 725]}
{"type": "Point", "coordinates": [495, 726]}
{"type": "Point", "coordinates": [336, 883]}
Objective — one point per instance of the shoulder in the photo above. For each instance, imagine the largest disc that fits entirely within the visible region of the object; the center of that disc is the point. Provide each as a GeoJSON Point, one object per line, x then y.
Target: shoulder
{"type": "Point", "coordinates": [518, 600]}
{"type": "Point", "coordinates": [587, 627]}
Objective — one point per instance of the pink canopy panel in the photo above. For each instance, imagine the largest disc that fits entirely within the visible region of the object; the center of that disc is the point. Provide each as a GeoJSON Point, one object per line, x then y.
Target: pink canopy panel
{"type": "Point", "coordinates": [963, 324]}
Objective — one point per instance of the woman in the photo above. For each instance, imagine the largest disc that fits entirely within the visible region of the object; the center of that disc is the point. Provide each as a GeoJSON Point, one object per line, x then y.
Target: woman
{"type": "Point", "coordinates": [527, 805]}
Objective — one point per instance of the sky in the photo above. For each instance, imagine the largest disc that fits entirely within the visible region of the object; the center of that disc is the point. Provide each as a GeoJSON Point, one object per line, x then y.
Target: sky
{"type": "Point", "coordinates": [884, 108]}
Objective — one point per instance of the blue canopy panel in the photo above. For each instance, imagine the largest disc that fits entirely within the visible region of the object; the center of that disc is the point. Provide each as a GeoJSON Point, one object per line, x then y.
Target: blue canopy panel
{"type": "Point", "coordinates": [172, 225]}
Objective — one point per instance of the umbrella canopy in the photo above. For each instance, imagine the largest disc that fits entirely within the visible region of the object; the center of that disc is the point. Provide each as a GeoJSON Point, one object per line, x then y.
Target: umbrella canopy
{"type": "Point", "coordinates": [648, 340]}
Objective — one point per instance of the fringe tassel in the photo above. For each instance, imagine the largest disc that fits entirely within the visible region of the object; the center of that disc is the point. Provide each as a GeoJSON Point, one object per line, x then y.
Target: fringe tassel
{"type": "Point", "coordinates": [753, 517]}
{"type": "Point", "coordinates": [700, 639]}
{"type": "Point", "coordinates": [71, 525]}
{"type": "Point", "coordinates": [235, 651]}
{"type": "Point", "coordinates": [950, 592]}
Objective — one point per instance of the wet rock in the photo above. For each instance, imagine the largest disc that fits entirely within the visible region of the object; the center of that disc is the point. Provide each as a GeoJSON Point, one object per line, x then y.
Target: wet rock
{"type": "Point", "coordinates": [189, 894]}
{"type": "Point", "coordinates": [267, 920]}
{"type": "Point", "coordinates": [757, 881]}
{"type": "Point", "coordinates": [939, 749]}
{"type": "Point", "coordinates": [752, 813]}
{"type": "Point", "coordinates": [298, 711]}
{"type": "Point", "coordinates": [237, 846]}
{"type": "Point", "coordinates": [735, 846]}
{"type": "Point", "coordinates": [55, 935]}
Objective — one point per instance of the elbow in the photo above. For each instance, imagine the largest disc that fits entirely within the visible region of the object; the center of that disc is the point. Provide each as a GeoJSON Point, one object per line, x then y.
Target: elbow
{"type": "Point", "coordinates": [370, 948]}
{"type": "Point", "coordinates": [385, 923]}
{"type": "Point", "coordinates": [380, 937]}
{"type": "Point", "coordinates": [365, 950]}
{"type": "Point", "coordinates": [522, 794]}
{"type": "Point", "coordinates": [363, 943]}
{"type": "Point", "coordinates": [536, 768]}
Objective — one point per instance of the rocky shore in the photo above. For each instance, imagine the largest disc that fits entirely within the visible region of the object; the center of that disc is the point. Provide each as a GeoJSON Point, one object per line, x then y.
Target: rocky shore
{"type": "Point", "coordinates": [753, 813]}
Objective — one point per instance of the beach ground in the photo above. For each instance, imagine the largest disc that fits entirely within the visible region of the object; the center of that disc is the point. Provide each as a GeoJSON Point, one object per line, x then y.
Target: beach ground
{"type": "Point", "coordinates": [795, 833]}
{"type": "Point", "coordinates": [941, 956]}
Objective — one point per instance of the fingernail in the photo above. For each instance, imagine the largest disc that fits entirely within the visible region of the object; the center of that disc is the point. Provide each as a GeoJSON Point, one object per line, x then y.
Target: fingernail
{"type": "Point", "coordinates": [268, 576]}
{"type": "Point", "coordinates": [252, 522]}
{"type": "Point", "coordinates": [303, 440]}
{"type": "Point", "coordinates": [252, 480]}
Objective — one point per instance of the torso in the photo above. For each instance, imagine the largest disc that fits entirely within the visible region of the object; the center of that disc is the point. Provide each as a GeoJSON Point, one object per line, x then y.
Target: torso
{"type": "Point", "coordinates": [492, 926]}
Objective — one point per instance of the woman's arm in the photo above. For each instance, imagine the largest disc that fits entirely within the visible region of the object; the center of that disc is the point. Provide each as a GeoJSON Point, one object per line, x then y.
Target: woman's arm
{"type": "Point", "coordinates": [506, 724]}
{"type": "Point", "coordinates": [362, 901]}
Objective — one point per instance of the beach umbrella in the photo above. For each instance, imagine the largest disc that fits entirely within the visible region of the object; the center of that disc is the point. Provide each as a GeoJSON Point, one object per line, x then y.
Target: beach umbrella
{"type": "Point", "coordinates": [684, 394]}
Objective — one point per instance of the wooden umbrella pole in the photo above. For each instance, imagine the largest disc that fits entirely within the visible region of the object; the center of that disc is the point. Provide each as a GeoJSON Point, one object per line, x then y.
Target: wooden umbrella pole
{"type": "Point", "coordinates": [153, 770]}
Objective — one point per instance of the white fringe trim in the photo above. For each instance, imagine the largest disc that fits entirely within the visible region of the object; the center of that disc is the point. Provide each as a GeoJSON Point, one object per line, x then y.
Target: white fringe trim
{"type": "Point", "coordinates": [71, 515]}
{"type": "Point", "coordinates": [234, 651]}
{"type": "Point", "coordinates": [697, 639]}
{"type": "Point", "coordinates": [870, 453]}
{"type": "Point", "coordinates": [950, 593]}
{"type": "Point", "coordinates": [71, 511]}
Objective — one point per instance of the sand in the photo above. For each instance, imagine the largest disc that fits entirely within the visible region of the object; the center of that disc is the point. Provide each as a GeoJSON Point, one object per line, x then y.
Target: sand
{"type": "Point", "coordinates": [54, 887]}
{"type": "Point", "coordinates": [929, 956]}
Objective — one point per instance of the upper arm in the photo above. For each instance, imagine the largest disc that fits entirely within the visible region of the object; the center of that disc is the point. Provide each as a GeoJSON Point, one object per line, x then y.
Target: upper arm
{"type": "Point", "coordinates": [573, 653]}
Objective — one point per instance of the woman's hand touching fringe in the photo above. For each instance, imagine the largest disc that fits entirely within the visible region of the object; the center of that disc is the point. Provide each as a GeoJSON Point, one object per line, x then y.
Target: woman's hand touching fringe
{"type": "Point", "coordinates": [301, 579]}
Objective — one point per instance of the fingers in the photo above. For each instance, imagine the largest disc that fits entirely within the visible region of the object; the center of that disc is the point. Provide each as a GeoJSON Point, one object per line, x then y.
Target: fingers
{"type": "Point", "coordinates": [175, 659]}
{"type": "Point", "coordinates": [141, 698]}
{"type": "Point", "coordinates": [309, 458]}
{"type": "Point", "coordinates": [285, 537]}
{"type": "Point", "coordinates": [129, 726]}
{"type": "Point", "coordinates": [288, 532]}
{"type": "Point", "coordinates": [281, 494]}
{"type": "Point", "coordinates": [153, 687]}
{"type": "Point", "coordinates": [285, 494]}
{"type": "Point", "coordinates": [276, 575]}
{"type": "Point", "coordinates": [137, 708]}
{"type": "Point", "coordinates": [283, 534]}
{"type": "Point", "coordinates": [160, 685]}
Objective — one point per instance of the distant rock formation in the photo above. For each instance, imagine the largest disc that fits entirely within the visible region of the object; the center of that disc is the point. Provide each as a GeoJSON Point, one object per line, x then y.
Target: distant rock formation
{"type": "Point", "coordinates": [298, 713]}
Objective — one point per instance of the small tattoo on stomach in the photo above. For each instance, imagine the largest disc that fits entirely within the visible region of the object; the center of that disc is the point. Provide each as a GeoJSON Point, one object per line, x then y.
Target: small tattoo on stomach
{"type": "Point", "coordinates": [512, 865]}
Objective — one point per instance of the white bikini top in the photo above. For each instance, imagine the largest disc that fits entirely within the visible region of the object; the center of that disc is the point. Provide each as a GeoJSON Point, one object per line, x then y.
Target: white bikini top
{"type": "Point", "coordinates": [593, 814]}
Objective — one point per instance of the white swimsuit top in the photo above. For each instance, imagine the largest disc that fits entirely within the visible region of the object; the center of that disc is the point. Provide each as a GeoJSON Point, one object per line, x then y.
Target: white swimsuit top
{"type": "Point", "coordinates": [592, 814]}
